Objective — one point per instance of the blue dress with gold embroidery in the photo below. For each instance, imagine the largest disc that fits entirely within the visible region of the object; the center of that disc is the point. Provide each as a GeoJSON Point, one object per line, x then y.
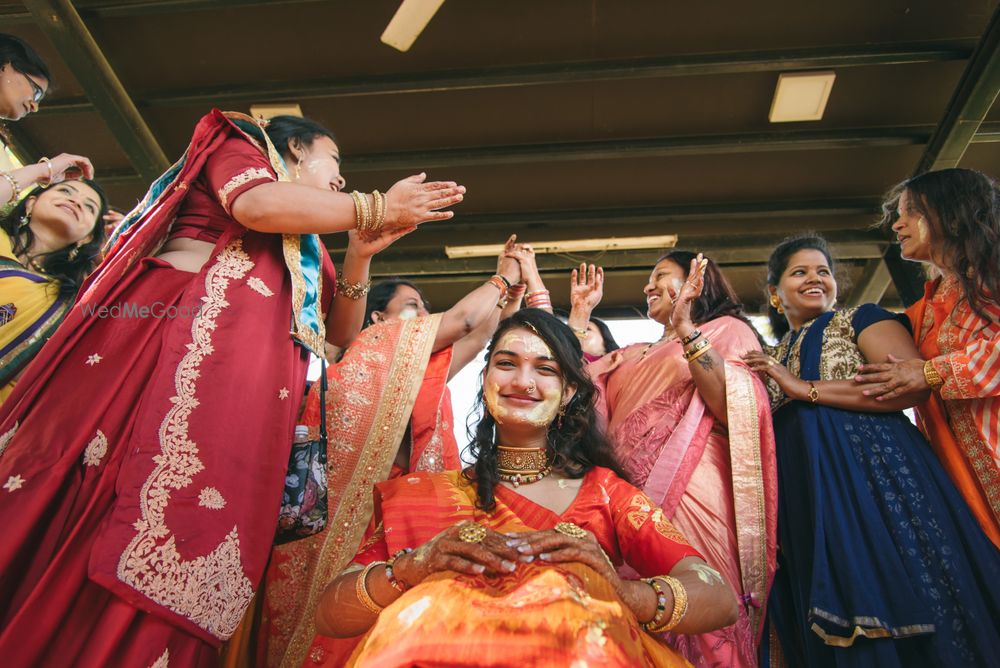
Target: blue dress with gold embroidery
{"type": "Point", "coordinates": [880, 561]}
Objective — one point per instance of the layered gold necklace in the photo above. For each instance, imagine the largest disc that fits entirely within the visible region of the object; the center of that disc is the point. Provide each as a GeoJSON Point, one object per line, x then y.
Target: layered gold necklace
{"type": "Point", "coordinates": [522, 466]}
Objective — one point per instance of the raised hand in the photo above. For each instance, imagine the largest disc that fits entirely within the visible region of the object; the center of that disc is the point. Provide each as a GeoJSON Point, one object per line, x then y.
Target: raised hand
{"type": "Point", "coordinates": [689, 291]}
{"type": "Point", "coordinates": [413, 201]}
{"type": "Point", "coordinates": [586, 287]}
{"type": "Point", "coordinates": [508, 264]}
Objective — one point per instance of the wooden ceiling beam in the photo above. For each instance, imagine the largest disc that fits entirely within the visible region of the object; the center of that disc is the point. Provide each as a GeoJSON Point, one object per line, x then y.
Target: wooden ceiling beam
{"type": "Point", "coordinates": [970, 103]}
{"type": "Point", "coordinates": [63, 26]}
{"type": "Point", "coordinates": [728, 144]}
{"type": "Point", "coordinates": [541, 74]}
{"type": "Point", "coordinates": [104, 9]}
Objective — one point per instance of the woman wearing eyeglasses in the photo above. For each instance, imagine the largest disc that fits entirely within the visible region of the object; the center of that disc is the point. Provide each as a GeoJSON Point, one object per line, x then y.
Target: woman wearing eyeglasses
{"type": "Point", "coordinates": [24, 80]}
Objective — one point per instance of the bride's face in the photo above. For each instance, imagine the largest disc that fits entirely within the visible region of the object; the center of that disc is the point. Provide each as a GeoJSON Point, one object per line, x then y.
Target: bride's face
{"type": "Point", "coordinates": [523, 383]}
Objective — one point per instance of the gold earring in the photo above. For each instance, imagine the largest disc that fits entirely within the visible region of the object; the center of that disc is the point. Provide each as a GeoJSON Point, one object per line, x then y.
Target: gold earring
{"type": "Point", "coordinates": [776, 303]}
{"type": "Point", "coordinates": [298, 169]}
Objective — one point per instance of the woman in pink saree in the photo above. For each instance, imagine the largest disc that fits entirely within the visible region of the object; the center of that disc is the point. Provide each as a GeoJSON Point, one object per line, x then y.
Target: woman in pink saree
{"type": "Point", "coordinates": [692, 427]}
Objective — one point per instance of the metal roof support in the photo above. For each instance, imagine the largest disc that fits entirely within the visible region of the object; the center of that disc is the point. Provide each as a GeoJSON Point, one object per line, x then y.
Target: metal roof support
{"type": "Point", "coordinates": [542, 74]}
{"type": "Point", "coordinates": [63, 26]}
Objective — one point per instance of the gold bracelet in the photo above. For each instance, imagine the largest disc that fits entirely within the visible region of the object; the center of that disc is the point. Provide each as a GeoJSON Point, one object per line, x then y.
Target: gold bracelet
{"type": "Point", "coordinates": [680, 603]}
{"type": "Point", "coordinates": [15, 188]}
{"type": "Point", "coordinates": [698, 353]}
{"type": "Point", "coordinates": [353, 291]}
{"type": "Point", "coordinates": [580, 333]}
{"type": "Point", "coordinates": [931, 375]}
{"type": "Point", "coordinates": [379, 200]}
{"type": "Point", "coordinates": [701, 345]}
{"type": "Point", "coordinates": [690, 338]}
{"type": "Point", "coordinates": [48, 163]}
{"type": "Point", "coordinates": [359, 210]}
{"type": "Point", "coordinates": [361, 589]}
{"type": "Point", "coordinates": [813, 392]}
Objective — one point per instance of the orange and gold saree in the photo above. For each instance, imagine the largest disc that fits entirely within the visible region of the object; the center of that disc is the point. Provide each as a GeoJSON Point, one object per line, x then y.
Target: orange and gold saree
{"type": "Point", "coordinates": [388, 382]}
{"type": "Point", "coordinates": [540, 615]}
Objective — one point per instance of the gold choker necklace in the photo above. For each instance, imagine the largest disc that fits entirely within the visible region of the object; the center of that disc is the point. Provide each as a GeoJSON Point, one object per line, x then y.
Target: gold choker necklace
{"type": "Point", "coordinates": [522, 466]}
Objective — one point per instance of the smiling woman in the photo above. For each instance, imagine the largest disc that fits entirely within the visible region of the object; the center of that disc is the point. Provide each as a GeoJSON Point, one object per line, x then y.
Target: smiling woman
{"type": "Point", "coordinates": [844, 526]}
{"type": "Point", "coordinates": [24, 80]}
{"type": "Point", "coordinates": [49, 242]}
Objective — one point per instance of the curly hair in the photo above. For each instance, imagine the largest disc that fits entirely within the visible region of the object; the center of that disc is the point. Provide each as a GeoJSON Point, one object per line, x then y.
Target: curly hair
{"type": "Point", "coordinates": [575, 447]}
{"type": "Point", "coordinates": [962, 207]}
{"type": "Point", "coordinates": [69, 272]}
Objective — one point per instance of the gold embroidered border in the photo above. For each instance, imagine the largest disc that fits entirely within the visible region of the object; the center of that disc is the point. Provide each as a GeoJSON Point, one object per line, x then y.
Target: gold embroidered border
{"type": "Point", "coordinates": [868, 627]}
{"type": "Point", "coordinates": [748, 488]}
{"type": "Point", "coordinates": [211, 590]}
{"type": "Point", "coordinates": [244, 177]}
{"type": "Point", "coordinates": [290, 246]}
{"type": "Point", "coordinates": [346, 526]}
{"type": "Point", "coordinates": [6, 438]}
{"type": "Point", "coordinates": [963, 422]}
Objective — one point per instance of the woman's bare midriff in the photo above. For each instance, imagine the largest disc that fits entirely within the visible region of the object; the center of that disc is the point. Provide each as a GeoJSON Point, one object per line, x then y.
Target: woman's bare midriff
{"type": "Point", "coordinates": [186, 254]}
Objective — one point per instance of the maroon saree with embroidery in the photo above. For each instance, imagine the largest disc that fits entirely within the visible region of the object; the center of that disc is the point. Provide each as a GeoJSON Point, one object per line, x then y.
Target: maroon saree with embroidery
{"type": "Point", "coordinates": [146, 450]}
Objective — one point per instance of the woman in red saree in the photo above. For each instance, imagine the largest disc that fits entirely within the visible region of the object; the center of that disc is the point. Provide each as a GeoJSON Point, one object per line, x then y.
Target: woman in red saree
{"type": "Point", "coordinates": [389, 413]}
{"type": "Point", "coordinates": [950, 220]}
{"type": "Point", "coordinates": [691, 425]}
{"type": "Point", "coordinates": [144, 449]}
{"type": "Point", "coordinates": [512, 563]}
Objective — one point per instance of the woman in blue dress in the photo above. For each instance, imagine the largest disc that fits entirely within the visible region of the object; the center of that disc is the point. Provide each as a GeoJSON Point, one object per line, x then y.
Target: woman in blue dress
{"type": "Point", "coordinates": [880, 561]}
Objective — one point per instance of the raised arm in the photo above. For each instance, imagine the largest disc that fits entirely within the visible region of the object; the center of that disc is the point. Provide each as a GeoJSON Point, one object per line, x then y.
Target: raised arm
{"type": "Point", "coordinates": [45, 172]}
{"type": "Point", "coordinates": [282, 207]}
{"type": "Point", "coordinates": [347, 315]}
{"type": "Point", "coordinates": [476, 307]}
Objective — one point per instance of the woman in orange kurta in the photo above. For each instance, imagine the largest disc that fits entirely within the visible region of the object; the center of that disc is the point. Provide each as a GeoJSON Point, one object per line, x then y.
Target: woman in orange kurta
{"type": "Point", "coordinates": [950, 219]}
{"type": "Point", "coordinates": [513, 562]}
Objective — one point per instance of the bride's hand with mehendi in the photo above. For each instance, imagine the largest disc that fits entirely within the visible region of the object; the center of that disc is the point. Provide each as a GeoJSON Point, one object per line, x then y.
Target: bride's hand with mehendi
{"type": "Point", "coordinates": [412, 201]}
{"type": "Point", "coordinates": [494, 554]}
{"type": "Point", "coordinates": [552, 546]}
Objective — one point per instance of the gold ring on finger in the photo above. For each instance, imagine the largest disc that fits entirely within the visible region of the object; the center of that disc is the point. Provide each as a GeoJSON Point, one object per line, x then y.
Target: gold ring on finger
{"type": "Point", "coordinates": [472, 533]}
{"type": "Point", "coordinates": [571, 530]}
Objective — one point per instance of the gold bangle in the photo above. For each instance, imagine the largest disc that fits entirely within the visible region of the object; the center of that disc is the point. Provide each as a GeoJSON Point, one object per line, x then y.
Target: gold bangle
{"type": "Point", "coordinates": [48, 163]}
{"type": "Point", "coordinates": [580, 333]}
{"type": "Point", "coordinates": [680, 603]}
{"type": "Point", "coordinates": [699, 353]}
{"type": "Point", "coordinates": [701, 345]}
{"type": "Point", "coordinates": [15, 188]}
{"type": "Point", "coordinates": [379, 218]}
{"type": "Point", "coordinates": [359, 212]}
{"type": "Point", "coordinates": [931, 375]}
{"type": "Point", "coordinates": [361, 589]}
{"type": "Point", "coordinates": [353, 291]}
